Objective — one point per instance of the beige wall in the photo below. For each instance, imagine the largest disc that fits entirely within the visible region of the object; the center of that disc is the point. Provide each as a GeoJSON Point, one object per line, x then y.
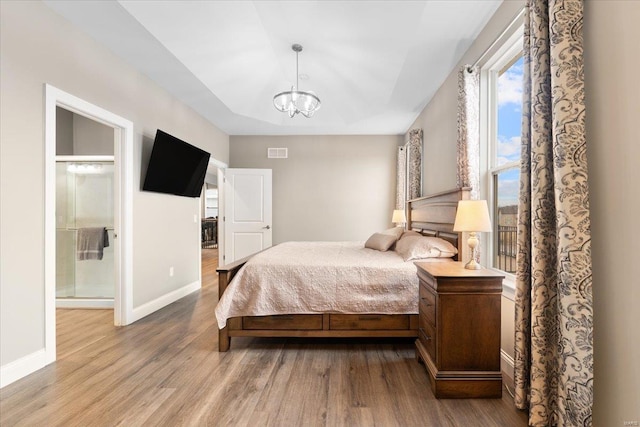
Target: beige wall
{"type": "Point", "coordinates": [91, 137]}
{"type": "Point", "coordinates": [37, 46]}
{"type": "Point", "coordinates": [611, 71]}
{"type": "Point", "coordinates": [64, 131]}
{"type": "Point", "coordinates": [330, 188]}
{"type": "Point", "coordinates": [81, 136]}
{"type": "Point", "coordinates": [613, 149]}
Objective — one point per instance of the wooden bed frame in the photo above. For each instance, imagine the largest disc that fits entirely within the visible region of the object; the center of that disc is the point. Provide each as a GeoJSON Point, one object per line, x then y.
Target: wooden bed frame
{"type": "Point", "coordinates": [432, 216]}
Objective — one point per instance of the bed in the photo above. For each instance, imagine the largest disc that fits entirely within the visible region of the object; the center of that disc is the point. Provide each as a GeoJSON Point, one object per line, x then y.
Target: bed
{"type": "Point", "coordinates": [377, 310]}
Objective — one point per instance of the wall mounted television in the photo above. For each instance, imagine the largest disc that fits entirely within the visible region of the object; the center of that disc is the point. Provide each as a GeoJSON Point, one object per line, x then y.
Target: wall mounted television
{"type": "Point", "coordinates": [175, 167]}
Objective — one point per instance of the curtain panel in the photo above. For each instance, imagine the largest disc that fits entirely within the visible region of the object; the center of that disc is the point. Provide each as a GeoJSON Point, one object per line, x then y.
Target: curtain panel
{"type": "Point", "coordinates": [409, 172]}
{"type": "Point", "coordinates": [554, 303]}
{"type": "Point", "coordinates": [468, 153]}
{"type": "Point", "coordinates": [414, 164]}
{"type": "Point", "coordinates": [401, 186]}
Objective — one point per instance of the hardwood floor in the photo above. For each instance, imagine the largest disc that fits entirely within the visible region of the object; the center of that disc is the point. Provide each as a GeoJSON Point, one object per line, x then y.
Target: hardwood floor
{"type": "Point", "coordinates": [165, 370]}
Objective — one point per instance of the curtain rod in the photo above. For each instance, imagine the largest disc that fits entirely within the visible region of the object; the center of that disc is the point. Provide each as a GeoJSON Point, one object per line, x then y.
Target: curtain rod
{"type": "Point", "coordinates": [486, 52]}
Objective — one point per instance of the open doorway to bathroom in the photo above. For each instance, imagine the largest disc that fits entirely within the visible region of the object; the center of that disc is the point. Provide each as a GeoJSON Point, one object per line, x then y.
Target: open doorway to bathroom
{"type": "Point", "coordinates": [85, 212]}
{"type": "Point", "coordinates": [88, 184]}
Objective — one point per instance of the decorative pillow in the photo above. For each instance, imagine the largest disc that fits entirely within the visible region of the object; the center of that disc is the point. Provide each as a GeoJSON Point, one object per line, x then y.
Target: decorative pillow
{"type": "Point", "coordinates": [395, 231]}
{"type": "Point", "coordinates": [380, 241]}
{"type": "Point", "coordinates": [418, 247]}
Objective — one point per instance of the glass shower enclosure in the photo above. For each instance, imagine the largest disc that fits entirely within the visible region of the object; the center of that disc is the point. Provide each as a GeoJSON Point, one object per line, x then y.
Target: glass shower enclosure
{"type": "Point", "coordinates": [84, 199]}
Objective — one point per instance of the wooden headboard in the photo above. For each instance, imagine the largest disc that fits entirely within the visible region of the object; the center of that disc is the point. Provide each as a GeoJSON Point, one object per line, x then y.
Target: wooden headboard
{"type": "Point", "coordinates": [435, 215]}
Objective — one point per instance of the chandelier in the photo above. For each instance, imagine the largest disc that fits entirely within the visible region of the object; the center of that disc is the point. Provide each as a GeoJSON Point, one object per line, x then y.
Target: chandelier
{"type": "Point", "coordinates": [296, 101]}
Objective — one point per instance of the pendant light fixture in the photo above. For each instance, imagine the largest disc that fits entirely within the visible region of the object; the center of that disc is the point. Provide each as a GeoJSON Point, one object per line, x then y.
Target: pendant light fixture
{"type": "Point", "coordinates": [296, 101]}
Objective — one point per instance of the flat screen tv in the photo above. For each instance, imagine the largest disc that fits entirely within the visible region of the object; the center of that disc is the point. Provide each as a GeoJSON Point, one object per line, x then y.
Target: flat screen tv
{"type": "Point", "coordinates": [175, 167]}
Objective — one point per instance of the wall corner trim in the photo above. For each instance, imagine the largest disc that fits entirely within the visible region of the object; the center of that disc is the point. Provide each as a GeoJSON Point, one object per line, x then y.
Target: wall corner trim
{"type": "Point", "coordinates": [163, 301]}
{"type": "Point", "coordinates": [20, 368]}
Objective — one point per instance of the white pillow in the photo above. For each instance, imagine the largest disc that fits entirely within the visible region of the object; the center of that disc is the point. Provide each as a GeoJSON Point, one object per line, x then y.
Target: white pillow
{"type": "Point", "coordinates": [410, 233]}
{"type": "Point", "coordinates": [419, 247]}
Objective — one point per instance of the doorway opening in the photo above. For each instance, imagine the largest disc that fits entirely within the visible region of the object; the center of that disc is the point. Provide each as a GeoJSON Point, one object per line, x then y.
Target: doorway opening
{"type": "Point", "coordinates": [209, 235]}
{"type": "Point", "coordinates": [120, 183]}
{"type": "Point", "coordinates": [211, 208]}
{"type": "Point", "coordinates": [85, 233]}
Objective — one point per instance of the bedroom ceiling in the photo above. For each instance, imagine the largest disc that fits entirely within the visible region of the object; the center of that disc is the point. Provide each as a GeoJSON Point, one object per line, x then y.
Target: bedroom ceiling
{"type": "Point", "coordinates": [374, 64]}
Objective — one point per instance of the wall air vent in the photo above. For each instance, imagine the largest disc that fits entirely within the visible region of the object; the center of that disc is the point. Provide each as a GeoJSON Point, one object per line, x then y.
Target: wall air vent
{"type": "Point", "coordinates": [277, 153]}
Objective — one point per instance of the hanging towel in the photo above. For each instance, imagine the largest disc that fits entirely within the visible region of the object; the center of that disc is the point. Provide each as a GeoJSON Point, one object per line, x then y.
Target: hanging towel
{"type": "Point", "coordinates": [91, 243]}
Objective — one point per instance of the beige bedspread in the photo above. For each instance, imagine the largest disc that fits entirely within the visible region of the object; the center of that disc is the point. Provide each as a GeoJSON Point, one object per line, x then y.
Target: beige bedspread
{"type": "Point", "coordinates": [321, 277]}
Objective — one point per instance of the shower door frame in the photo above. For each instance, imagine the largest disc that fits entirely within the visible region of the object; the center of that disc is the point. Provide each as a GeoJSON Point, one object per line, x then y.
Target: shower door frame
{"type": "Point", "coordinates": [87, 302]}
{"type": "Point", "coordinates": [123, 204]}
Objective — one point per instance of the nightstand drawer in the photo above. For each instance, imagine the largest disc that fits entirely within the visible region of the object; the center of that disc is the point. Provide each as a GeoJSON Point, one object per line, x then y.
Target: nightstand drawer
{"type": "Point", "coordinates": [426, 280]}
{"type": "Point", "coordinates": [427, 305]}
{"type": "Point", "coordinates": [428, 337]}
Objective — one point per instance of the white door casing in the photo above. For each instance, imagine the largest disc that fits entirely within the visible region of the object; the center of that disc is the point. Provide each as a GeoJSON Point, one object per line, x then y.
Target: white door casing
{"type": "Point", "coordinates": [123, 200]}
{"type": "Point", "coordinates": [221, 205]}
{"type": "Point", "coordinates": [247, 212]}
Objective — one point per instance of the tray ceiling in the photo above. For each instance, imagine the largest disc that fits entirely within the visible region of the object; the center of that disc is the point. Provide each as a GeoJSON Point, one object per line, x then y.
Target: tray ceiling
{"type": "Point", "coordinates": [374, 64]}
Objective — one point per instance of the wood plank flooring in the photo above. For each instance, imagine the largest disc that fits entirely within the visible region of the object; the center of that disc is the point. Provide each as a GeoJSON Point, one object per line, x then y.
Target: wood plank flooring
{"type": "Point", "coordinates": [165, 370]}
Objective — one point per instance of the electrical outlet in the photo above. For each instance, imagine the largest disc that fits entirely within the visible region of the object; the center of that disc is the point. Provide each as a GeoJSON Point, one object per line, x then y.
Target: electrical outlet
{"type": "Point", "coordinates": [170, 271]}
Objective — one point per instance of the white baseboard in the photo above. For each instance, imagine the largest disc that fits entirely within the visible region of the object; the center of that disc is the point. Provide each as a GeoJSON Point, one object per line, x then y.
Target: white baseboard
{"type": "Point", "coordinates": [506, 363]}
{"type": "Point", "coordinates": [83, 303]}
{"type": "Point", "coordinates": [158, 303]}
{"type": "Point", "coordinates": [22, 367]}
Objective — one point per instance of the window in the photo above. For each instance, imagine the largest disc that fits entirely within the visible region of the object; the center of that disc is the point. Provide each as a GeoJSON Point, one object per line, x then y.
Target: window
{"type": "Point", "coordinates": [501, 124]}
{"type": "Point", "coordinates": [505, 166]}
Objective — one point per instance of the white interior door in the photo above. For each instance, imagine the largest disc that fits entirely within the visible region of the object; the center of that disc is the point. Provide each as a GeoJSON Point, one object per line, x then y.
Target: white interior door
{"type": "Point", "coordinates": [247, 212]}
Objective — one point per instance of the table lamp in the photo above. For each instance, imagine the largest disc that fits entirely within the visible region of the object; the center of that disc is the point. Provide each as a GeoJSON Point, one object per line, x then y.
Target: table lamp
{"type": "Point", "coordinates": [472, 216]}
{"type": "Point", "coordinates": [398, 217]}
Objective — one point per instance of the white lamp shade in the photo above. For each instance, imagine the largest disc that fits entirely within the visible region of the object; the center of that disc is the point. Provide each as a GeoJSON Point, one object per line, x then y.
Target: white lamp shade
{"type": "Point", "coordinates": [398, 216]}
{"type": "Point", "coordinates": [472, 215]}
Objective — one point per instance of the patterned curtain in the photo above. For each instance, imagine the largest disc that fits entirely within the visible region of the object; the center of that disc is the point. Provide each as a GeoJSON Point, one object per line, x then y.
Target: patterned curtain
{"type": "Point", "coordinates": [409, 174]}
{"type": "Point", "coordinates": [554, 303]}
{"type": "Point", "coordinates": [468, 156]}
{"type": "Point", "coordinates": [401, 186]}
{"type": "Point", "coordinates": [414, 164]}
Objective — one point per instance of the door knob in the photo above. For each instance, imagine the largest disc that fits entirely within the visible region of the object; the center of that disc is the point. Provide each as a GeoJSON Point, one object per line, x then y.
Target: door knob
{"type": "Point", "coordinates": [267, 227]}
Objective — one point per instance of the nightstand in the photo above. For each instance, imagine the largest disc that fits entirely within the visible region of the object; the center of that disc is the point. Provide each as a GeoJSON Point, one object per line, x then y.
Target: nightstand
{"type": "Point", "coordinates": [459, 329]}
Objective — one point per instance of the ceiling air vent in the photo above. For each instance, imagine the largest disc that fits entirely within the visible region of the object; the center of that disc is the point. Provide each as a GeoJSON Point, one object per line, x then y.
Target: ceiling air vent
{"type": "Point", "coordinates": [277, 153]}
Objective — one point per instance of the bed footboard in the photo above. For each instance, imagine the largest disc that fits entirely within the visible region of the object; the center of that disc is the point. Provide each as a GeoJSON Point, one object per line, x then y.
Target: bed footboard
{"type": "Point", "coordinates": [325, 325]}
{"type": "Point", "coordinates": [225, 274]}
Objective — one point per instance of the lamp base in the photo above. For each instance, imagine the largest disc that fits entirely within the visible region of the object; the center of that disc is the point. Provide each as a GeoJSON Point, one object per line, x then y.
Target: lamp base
{"type": "Point", "coordinates": [473, 265]}
{"type": "Point", "coordinates": [473, 243]}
